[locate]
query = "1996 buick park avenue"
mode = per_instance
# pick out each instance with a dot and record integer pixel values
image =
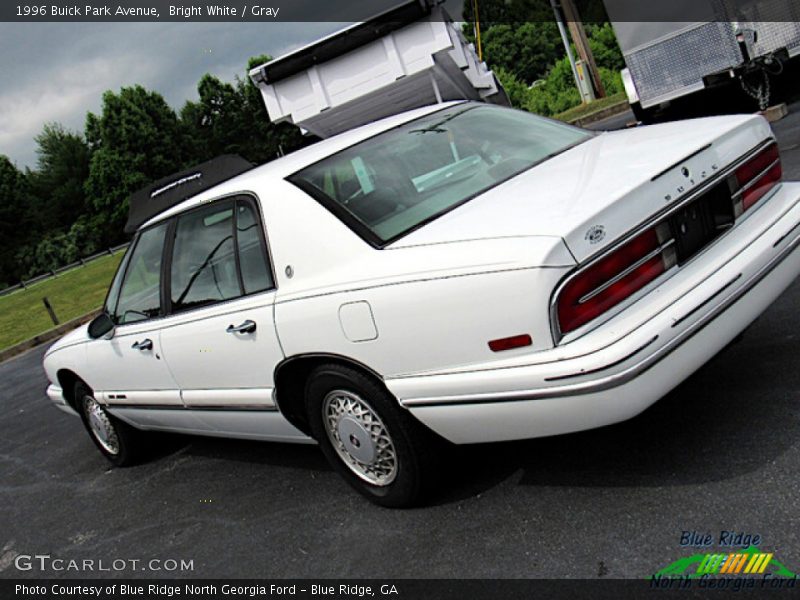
(459, 273)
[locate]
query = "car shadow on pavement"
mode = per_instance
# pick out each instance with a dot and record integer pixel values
(736, 415)
(722, 422)
(301, 456)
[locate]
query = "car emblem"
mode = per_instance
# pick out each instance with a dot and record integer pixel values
(596, 234)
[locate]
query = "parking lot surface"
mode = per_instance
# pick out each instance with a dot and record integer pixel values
(721, 452)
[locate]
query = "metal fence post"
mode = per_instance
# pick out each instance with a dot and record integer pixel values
(50, 310)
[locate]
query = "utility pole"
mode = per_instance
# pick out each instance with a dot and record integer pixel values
(565, 39)
(582, 45)
(477, 29)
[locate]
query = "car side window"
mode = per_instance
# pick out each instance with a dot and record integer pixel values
(140, 293)
(218, 254)
(203, 268)
(256, 275)
(112, 297)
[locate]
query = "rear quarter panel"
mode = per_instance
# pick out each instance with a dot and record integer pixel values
(433, 306)
(427, 324)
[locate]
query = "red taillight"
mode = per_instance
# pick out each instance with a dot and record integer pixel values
(612, 279)
(615, 277)
(758, 176)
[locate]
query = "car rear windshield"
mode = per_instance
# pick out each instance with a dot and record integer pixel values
(391, 184)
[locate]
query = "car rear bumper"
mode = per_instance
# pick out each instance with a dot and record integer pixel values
(56, 395)
(616, 371)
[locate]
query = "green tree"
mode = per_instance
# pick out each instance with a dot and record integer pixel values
(517, 12)
(231, 119)
(517, 91)
(57, 183)
(215, 122)
(525, 49)
(521, 53)
(76, 200)
(14, 220)
(495, 12)
(604, 45)
(135, 140)
(557, 93)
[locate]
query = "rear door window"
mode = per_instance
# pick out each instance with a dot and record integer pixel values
(203, 267)
(218, 254)
(256, 275)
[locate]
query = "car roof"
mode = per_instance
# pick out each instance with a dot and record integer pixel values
(281, 168)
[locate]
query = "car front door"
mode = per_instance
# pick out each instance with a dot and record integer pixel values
(129, 369)
(219, 340)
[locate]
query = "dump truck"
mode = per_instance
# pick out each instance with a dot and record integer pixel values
(407, 57)
(731, 43)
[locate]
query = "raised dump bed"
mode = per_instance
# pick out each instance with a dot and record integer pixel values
(408, 57)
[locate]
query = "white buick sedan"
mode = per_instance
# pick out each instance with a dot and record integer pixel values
(461, 272)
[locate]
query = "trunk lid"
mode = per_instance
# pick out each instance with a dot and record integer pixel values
(598, 191)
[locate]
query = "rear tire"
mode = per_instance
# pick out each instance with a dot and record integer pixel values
(378, 447)
(120, 443)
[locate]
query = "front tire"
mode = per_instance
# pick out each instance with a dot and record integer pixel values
(374, 444)
(120, 443)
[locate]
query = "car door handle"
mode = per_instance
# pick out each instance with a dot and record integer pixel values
(246, 327)
(145, 344)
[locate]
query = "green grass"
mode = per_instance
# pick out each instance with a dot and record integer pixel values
(584, 110)
(71, 294)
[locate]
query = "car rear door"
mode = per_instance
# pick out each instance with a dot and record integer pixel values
(219, 340)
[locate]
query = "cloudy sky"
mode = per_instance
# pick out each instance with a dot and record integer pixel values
(58, 71)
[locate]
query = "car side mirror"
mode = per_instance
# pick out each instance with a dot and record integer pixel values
(102, 326)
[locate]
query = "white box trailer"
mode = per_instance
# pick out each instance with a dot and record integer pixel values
(408, 57)
(666, 61)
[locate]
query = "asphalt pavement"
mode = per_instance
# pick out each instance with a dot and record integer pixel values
(720, 452)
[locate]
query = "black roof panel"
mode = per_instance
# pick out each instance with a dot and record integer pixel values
(165, 193)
